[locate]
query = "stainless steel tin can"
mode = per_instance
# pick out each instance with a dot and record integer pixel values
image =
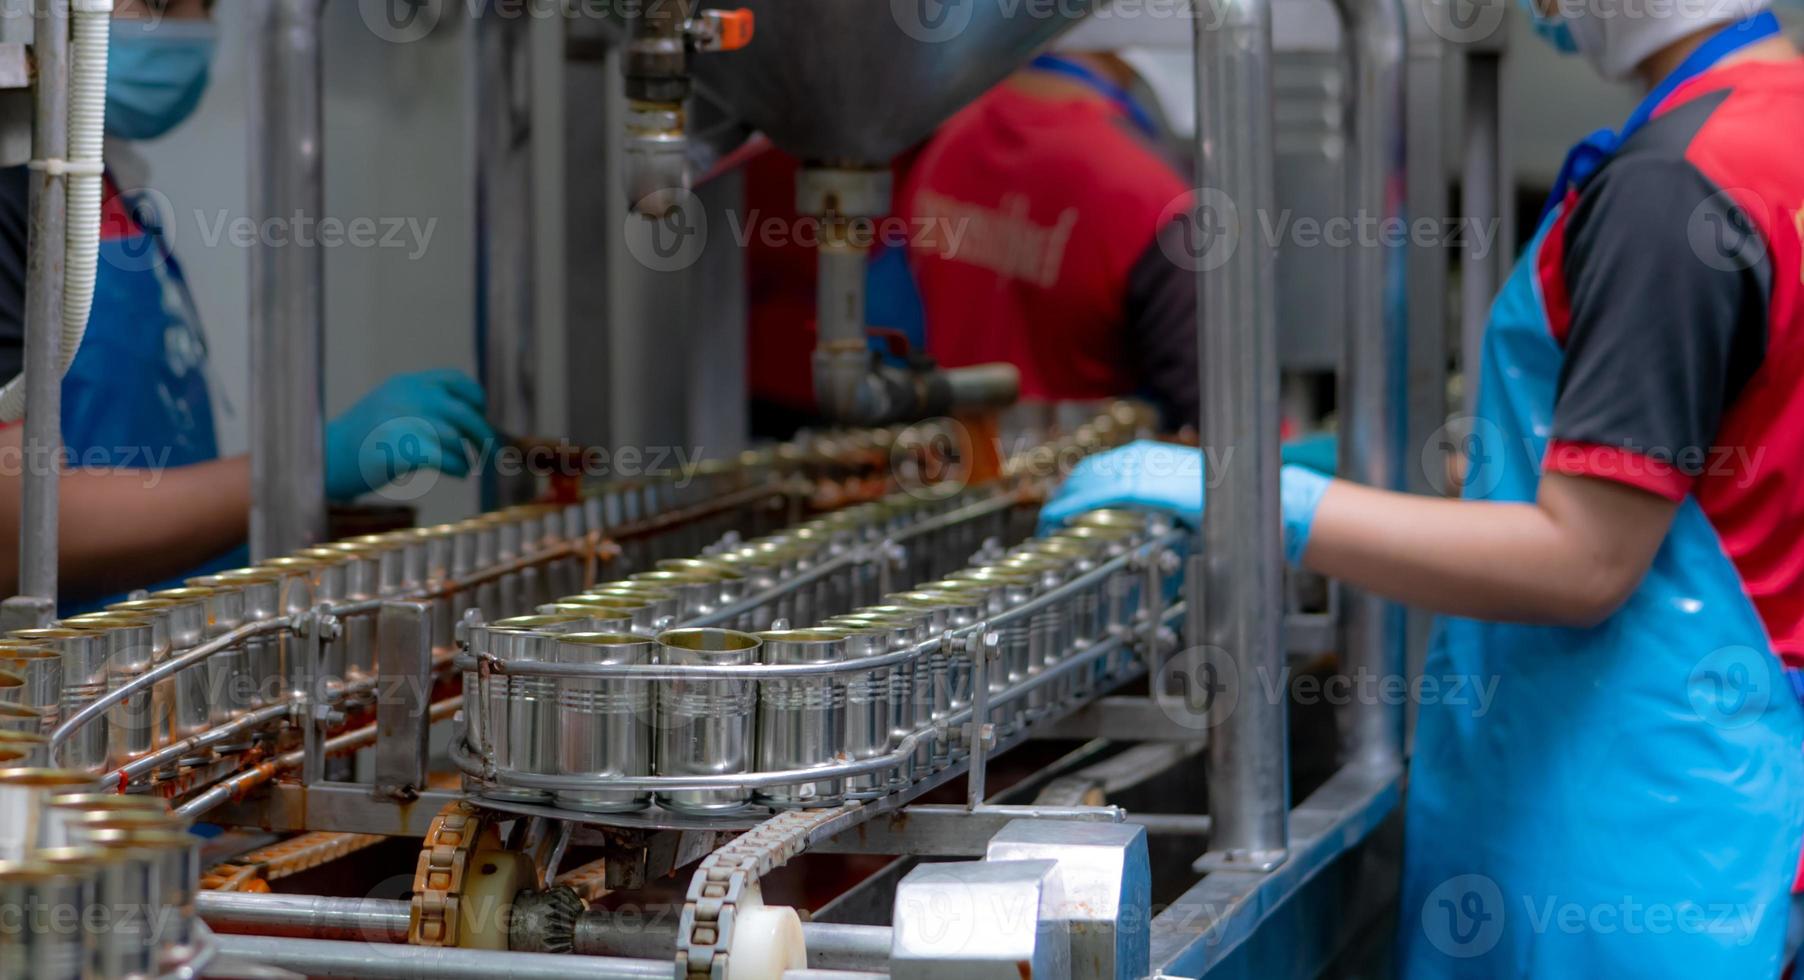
(705, 727)
(696, 593)
(261, 675)
(363, 581)
(223, 686)
(605, 724)
(174, 858)
(42, 936)
(297, 596)
(917, 690)
(125, 890)
(133, 725)
(602, 619)
(642, 616)
(1014, 587)
(330, 582)
(84, 680)
(41, 667)
(802, 720)
(1049, 632)
(902, 703)
(68, 808)
(520, 713)
(666, 603)
(24, 797)
(730, 583)
(867, 727)
(16, 717)
(20, 750)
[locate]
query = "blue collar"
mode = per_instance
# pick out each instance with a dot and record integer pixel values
(1584, 159)
(1109, 90)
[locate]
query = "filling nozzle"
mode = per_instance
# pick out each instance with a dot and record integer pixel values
(656, 166)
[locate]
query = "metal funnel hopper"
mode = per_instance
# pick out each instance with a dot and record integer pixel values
(856, 82)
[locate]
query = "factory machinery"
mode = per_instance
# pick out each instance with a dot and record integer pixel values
(834, 709)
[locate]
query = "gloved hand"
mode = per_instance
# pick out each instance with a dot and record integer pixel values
(410, 422)
(1300, 491)
(1140, 474)
(1318, 451)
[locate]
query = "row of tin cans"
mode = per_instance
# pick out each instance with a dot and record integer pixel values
(622, 727)
(95, 886)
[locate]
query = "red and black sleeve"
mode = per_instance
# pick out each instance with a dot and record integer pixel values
(1668, 285)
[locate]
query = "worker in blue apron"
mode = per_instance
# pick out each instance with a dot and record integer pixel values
(1625, 567)
(148, 500)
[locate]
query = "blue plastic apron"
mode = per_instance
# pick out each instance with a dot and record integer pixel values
(1630, 801)
(136, 396)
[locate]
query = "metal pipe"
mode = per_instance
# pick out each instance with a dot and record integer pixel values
(44, 305)
(1487, 202)
(238, 784)
(1236, 578)
(287, 281)
(167, 668)
(331, 958)
(177, 751)
(305, 916)
(831, 945)
(1375, 355)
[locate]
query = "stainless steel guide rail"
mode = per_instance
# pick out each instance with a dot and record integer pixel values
(489, 667)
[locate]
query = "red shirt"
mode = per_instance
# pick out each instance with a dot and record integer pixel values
(1026, 215)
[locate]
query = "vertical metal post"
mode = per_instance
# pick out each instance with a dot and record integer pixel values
(403, 697)
(1236, 579)
(44, 318)
(501, 103)
(1429, 263)
(1487, 200)
(287, 281)
(1375, 359)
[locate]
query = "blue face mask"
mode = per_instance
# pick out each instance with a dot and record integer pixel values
(1555, 30)
(155, 75)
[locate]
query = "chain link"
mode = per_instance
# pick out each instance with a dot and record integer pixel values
(302, 852)
(438, 880)
(705, 932)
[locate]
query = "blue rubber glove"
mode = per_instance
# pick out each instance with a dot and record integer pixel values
(1300, 490)
(1318, 451)
(1140, 474)
(411, 422)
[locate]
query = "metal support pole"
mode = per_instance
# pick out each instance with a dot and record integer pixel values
(329, 958)
(1236, 581)
(1374, 365)
(403, 697)
(1488, 200)
(1429, 265)
(44, 322)
(287, 281)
